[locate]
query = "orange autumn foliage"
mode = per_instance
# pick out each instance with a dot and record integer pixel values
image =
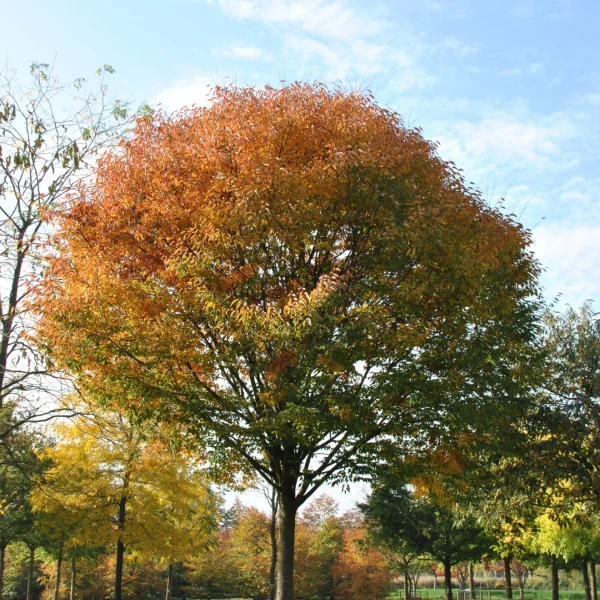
(360, 571)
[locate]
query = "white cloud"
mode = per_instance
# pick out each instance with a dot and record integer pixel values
(457, 47)
(244, 52)
(536, 67)
(186, 92)
(341, 41)
(571, 255)
(511, 72)
(326, 18)
(502, 140)
(522, 10)
(360, 56)
(592, 99)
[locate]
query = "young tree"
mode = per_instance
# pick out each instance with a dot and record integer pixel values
(299, 280)
(360, 571)
(18, 465)
(406, 523)
(320, 535)
(572, 342)
(270, 494)
(14, 488)
(50, 133)
(117, 486)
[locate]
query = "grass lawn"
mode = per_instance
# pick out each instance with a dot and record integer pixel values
(431, 594)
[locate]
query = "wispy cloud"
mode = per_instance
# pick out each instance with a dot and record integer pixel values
(195, 90)
(455, 46)
(516, 72)
(502, 140)
(572, 256)
(244, 52)
(326, 18)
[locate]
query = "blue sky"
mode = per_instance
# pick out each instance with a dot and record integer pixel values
(510, 88)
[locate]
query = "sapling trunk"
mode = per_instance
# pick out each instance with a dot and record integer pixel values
(120, 550)
(273, 534)
(73, 576)
(586, 579)
(507, 577)
(554, 574)
(472, 581)
(58, 572)
(593, 579)
(29, 595)
(169, 582)
(2, 563)
(448, 579)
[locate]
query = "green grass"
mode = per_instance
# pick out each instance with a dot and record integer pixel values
(431, 594)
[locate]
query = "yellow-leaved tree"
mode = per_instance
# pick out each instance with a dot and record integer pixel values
(126, 488)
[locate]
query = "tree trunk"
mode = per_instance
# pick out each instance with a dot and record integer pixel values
(30, 573)
(448, 579)
(472, 580)
(507, 577)
(120, 550)
(169, 582)
(285, 548)
(58, 572)
(406, 585)
(522, 591)
(2, 562)
(554, 573)
(73, 575)
(435, 580)
(586, 579)
(593, 578)
(273, 534)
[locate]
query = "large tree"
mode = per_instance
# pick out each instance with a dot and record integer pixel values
(297, 279)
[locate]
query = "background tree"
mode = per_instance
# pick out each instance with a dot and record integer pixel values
(320, 539)
(405, 522)
(50, 133)
(572, 384)
(119, 487)
(18, 466)
(360, 571)
(299, 279)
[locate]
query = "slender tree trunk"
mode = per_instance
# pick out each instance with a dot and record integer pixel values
(472, 580)
(435, 580)
(2, 562)
(554, 573)
(273, 534)
(30, 573)
(120, 550)
(285, 549)
(586, 579)
(58, 572)
(73, 576)
(169, 582)
(522, 591)
(593, 579)
(448, 579)
(507, 577)
(406, 585)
